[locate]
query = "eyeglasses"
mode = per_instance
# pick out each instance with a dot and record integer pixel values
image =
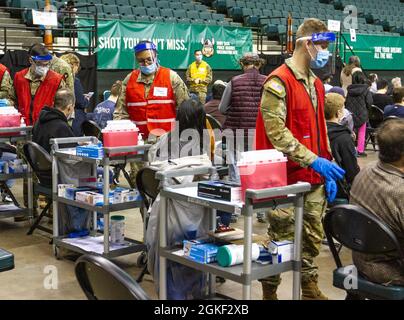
(145, 61)
(41, 63)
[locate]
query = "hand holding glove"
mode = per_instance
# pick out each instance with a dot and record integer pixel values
(327, 169)
(331, 189)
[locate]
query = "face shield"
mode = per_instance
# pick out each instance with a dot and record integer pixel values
(146, 57)
(320, 48)
(41, 64)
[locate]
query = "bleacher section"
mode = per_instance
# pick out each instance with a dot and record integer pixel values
(267, 15)
(271, 15)
(179, 11)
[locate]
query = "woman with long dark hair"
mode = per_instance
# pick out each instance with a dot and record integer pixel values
(358, 101)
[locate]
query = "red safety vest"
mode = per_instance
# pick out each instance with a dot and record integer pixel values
(44, 95)
(306, 125)
(3, 70)
(156, 112)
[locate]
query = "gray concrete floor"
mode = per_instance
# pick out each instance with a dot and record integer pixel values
(34, 257)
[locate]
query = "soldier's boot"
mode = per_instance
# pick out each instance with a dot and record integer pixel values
(269, 291)
(310, 291)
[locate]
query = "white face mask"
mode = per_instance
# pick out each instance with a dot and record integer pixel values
(199, 57)
(41, 70)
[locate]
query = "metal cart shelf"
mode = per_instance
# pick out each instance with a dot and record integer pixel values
(13, 135)
(272, 198)
(137, 153)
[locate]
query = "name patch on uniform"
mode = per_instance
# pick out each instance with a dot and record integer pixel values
(275, 86)
(160, 92)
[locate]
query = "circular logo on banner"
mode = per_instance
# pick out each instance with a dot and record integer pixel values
(208, 47)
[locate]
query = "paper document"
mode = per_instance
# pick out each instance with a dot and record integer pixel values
(93, 244)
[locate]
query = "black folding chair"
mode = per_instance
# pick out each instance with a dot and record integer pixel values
(41, 163)
(91, 129)
(148, 187)
(391, 118)
(100, 279)
(213, 122)
(361, 231)
(5, 190)
(376, 117)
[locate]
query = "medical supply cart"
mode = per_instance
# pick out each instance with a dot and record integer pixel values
(131, 154)
(255, 200)
(13, 135)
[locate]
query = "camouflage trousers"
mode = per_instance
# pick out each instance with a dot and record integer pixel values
(201, 95)
(281, 227)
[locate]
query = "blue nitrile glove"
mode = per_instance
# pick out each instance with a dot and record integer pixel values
(327, 169)
(3, 102)
(79, 234)
(331, 190)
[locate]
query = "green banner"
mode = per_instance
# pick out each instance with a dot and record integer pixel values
(376, 52)
(176, 43)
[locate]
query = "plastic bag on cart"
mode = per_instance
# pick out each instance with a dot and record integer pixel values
(73, 219)
(184, 221)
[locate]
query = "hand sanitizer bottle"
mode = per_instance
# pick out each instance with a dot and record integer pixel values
(140, 142)
(22, 125)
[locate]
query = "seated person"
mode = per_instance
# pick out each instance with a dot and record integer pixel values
(342, 145)
(52, 122)
(380, 98)
(379, 189)
(212, 107)
(190, 116)
(347, 119)
(191, 137)
(104, 111)
(396, 110)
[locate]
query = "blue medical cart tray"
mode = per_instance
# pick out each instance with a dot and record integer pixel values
(6, 260)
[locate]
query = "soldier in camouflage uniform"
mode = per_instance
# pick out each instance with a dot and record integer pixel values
(285, 121)
(7, 88)
(34, 82)
(121, 111)
(63, 68)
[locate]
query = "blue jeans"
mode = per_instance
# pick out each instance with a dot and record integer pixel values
(8, 156)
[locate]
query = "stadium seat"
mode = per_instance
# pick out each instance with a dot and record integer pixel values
(188, 6)
(180, 14)
(139, 11)
(136, 3)
(110, 9)
(200, 7)
(149, 3)
(122, 2)
(207, 16)
(193, 14)
(218, 16)
(125, 10)
(163, 4)
(153, 13)
(167, 13)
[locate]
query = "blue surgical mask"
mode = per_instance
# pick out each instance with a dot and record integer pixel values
(199, 58)
(320, 60)
(149, 69)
